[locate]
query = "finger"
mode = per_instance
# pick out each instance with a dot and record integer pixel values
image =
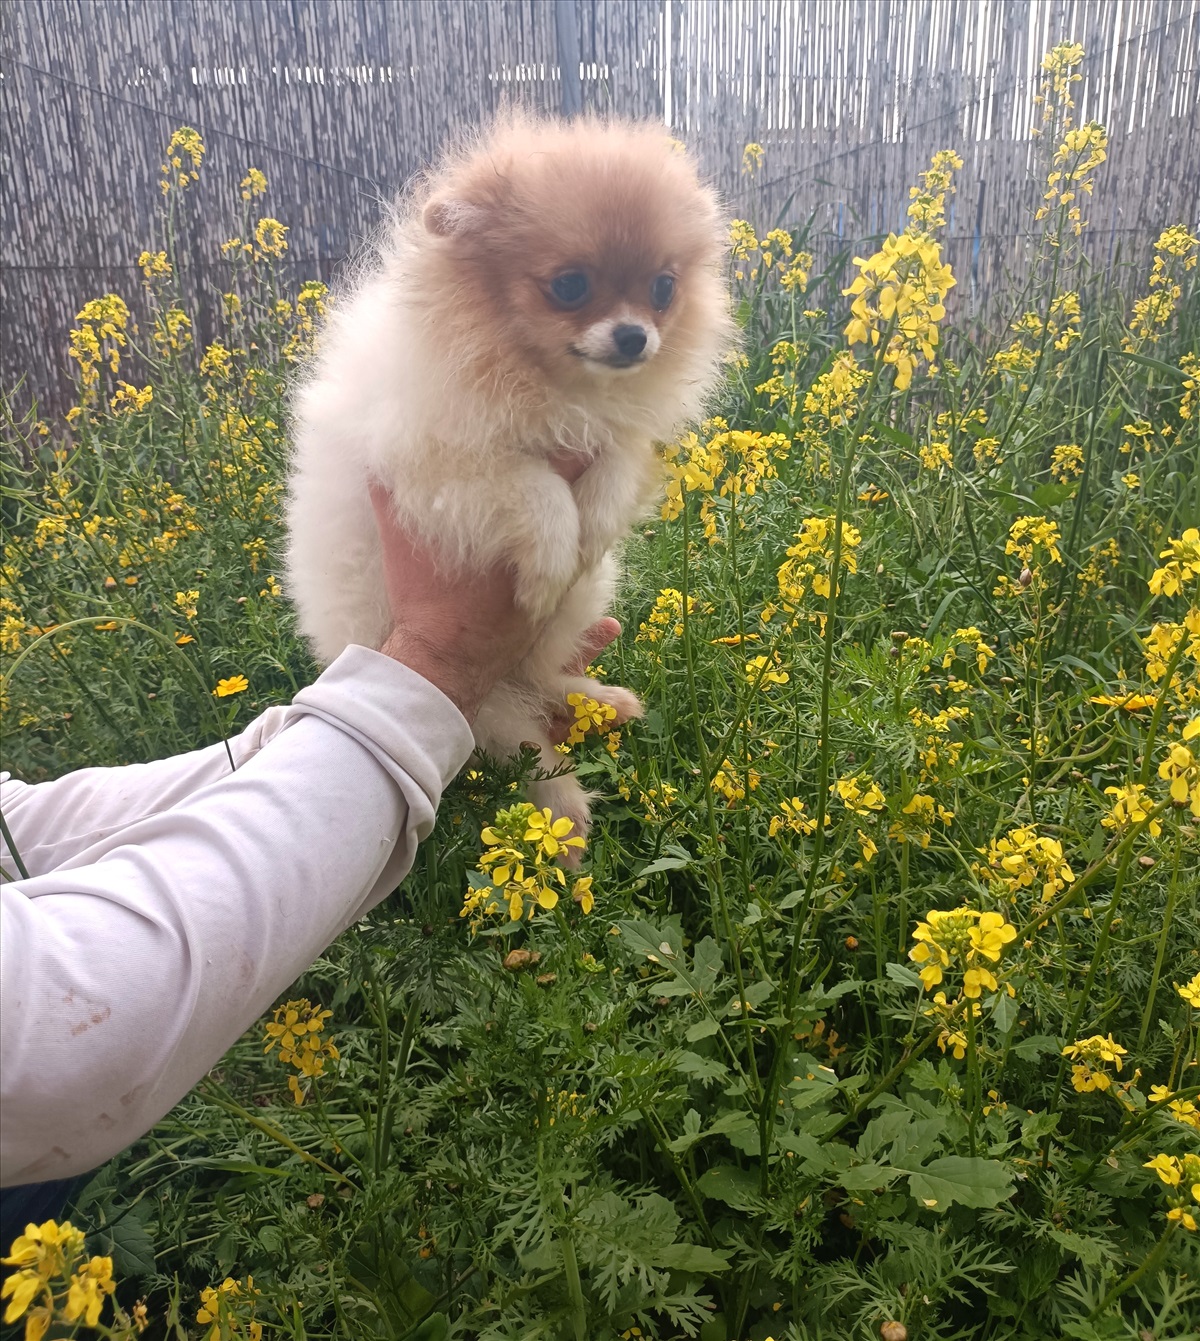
(381, 503)
(595, 640)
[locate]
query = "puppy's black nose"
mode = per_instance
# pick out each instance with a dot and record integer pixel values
(629, 340)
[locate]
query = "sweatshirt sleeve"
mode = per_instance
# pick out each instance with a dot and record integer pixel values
(131, 966)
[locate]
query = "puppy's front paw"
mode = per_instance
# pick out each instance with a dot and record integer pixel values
(544, 573)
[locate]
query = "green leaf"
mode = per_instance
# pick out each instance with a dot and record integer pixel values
(690, 1257)
(691, 1132)
(703, 1068)
(1157, 364)
(1005, 1012)
(1037, 1125)
(735, 1187)
(902, 974)
(679, 860)
(963, 1179)
(1051, 495)
(867, 1177)
(131, 1247)
(704, 1028)
(1037, 1045)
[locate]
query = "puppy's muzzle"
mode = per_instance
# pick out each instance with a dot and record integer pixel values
(617, 344)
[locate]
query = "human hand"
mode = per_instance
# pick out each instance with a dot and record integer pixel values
(461, 630)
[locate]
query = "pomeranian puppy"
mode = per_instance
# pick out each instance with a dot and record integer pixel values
(547, 287)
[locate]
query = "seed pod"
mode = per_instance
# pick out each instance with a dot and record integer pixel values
(1026, 577)
(516, 960)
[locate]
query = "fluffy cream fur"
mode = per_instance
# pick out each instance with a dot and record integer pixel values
(454, 370)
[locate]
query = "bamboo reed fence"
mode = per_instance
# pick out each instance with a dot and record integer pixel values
(338, 102)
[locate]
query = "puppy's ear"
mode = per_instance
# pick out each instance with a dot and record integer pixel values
(451, 218)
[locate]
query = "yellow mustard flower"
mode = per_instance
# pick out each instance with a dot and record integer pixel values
(1182, 566)
(1090, 1056)
(1181, 770)
(254, 183)
(965, 940)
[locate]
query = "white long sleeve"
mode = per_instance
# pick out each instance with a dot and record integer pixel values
(169, 904)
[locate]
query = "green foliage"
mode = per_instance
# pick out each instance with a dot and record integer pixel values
(741, 1098)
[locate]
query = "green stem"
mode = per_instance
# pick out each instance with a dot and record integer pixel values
(1153, 1258)
(211, 1093)
(1168, 915)
(574, 1286)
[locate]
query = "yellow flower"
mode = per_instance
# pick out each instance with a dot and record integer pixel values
(990, 935)
(230, 1308)
(154, 264)
(1183, 564)
(860, 794)
(591, 717)
(1089, 1056)
(297, 1029)
(522, 845)
(129, 398)
(235, 684)
(914, 824)
(89, 1287)
(1126, 702)
(581, 893)
(1182, 770)
(833, 397)
(1182, 1110)
(178, 175)
(935, 454)
(269, 234)
(1023, 858)
(254, 183)
(1130, 806)
(752, 158)
(548, 835)
(666, 614)
(1028, 533)
(733, 782)
(900, 289)
(976, 642)
(960, 938)
(1190, 991)
(763, 672)
(1066, 462)
(794, 817)
(1169, 1169)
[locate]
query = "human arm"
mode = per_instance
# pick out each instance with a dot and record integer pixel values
(131, 968)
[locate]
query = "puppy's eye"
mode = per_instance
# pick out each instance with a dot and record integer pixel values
(570, 289)
(662, 291)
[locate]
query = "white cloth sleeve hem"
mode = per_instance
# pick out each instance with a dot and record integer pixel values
(132, 964)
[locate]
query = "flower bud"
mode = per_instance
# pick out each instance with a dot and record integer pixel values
(893, 1331)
